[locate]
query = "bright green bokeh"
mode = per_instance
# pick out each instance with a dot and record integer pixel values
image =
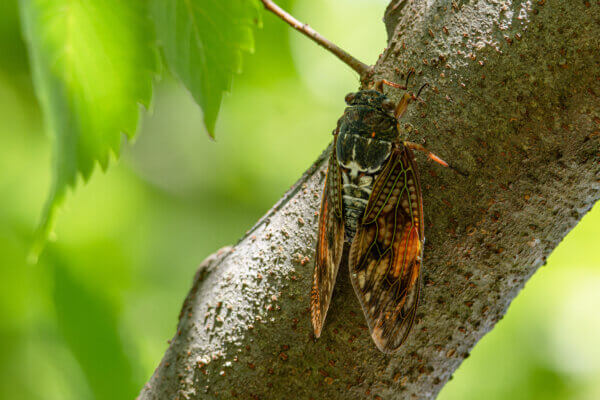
(104, 298)
(203, 42)
(92, 67)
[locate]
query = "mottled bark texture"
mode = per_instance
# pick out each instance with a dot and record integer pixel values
(514, 101)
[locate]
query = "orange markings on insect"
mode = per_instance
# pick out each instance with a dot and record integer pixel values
(410, 248)
(400, 264)
(323, 249)
(438, 160)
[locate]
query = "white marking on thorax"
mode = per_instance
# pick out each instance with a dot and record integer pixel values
(355, 168)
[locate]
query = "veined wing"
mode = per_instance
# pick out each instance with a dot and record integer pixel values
(385, 256)
(330, 245)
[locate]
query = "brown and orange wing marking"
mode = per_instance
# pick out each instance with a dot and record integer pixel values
(385, 256)
(330, 244)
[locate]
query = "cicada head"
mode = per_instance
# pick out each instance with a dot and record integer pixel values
(370, 115)
(373, 99)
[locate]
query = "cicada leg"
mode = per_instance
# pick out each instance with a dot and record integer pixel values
(430, 155)
(379, 85)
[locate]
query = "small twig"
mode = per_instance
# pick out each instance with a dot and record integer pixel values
(352, 62)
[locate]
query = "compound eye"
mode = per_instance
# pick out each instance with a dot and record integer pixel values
(349, 97)
(388, 105)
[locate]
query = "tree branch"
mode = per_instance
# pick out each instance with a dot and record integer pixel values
(361, 68)
(515, 102)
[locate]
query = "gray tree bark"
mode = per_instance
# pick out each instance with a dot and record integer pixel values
(514, 101)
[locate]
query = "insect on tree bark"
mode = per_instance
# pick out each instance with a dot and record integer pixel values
(514, 101)
(372, 209)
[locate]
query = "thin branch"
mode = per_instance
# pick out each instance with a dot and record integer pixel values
(352, 62)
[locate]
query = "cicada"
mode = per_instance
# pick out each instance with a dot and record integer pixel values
(372, 211)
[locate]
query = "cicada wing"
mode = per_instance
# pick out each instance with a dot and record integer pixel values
(330, 245)
(385, 255)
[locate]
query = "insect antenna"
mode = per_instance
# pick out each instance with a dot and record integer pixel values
(360, 67)
(410, 73)
(422, 87)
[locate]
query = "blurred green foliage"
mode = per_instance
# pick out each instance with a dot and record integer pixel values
(203, 43)
(91, 320)
(92, 66)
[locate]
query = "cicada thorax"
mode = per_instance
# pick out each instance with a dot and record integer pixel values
(366, 135)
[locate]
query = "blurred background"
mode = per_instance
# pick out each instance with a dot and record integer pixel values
(91, 320)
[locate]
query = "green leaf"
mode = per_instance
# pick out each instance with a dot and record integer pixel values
(93, 63)
(203, 42)
(10, 40)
